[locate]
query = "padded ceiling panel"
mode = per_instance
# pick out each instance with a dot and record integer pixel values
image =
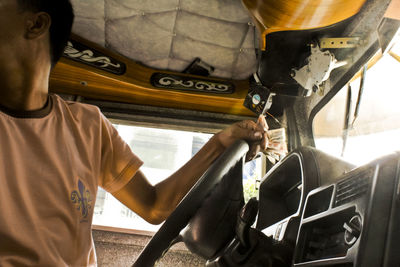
(170, 34)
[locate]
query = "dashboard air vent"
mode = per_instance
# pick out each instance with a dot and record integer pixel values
(353, 187)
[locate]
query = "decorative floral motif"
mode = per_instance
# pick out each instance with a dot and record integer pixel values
(187, 83)
(212, 86)
(82, 199)
(88, 55)
(81, 53)
(171, 81)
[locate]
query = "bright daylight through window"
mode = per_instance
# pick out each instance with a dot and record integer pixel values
(163, 152)
(376, 130)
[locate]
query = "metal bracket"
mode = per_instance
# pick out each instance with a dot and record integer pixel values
(317, 69)
(341, 42)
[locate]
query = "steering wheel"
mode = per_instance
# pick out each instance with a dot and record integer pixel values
(180, 217)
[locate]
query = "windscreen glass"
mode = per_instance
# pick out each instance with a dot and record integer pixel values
(374, 130)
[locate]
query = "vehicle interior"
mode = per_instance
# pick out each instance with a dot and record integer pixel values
(326, 191)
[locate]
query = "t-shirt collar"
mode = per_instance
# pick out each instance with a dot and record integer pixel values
(39, 113)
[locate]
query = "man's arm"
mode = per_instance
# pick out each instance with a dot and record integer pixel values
(155, 203)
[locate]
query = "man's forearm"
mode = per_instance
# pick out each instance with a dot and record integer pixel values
(170, 191)
(155, 203)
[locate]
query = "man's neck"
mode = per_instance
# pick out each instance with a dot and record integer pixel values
(25, 92)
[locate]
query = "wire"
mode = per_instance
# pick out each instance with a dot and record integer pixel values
(275, 119)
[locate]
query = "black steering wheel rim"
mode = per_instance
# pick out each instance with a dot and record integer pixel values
(180, 217)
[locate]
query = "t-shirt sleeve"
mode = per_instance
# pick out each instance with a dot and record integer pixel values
(118, 163)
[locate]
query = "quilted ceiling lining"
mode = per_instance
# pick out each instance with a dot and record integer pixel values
(170, 34)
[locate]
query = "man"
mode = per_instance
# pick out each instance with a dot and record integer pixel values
(54, 154)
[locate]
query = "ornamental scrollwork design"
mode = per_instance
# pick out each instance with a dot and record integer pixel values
(88, 56)
(171, 81)
(81, 53)
(185, 83)
(212, 86)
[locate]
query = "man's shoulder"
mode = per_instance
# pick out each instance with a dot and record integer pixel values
(76, 108)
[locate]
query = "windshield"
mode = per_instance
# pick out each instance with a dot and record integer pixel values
(376, 130)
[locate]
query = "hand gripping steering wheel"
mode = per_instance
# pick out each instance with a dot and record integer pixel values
(180, 217)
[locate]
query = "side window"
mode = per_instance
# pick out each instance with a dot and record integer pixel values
(163, 151)
(252, 175)
(375, 131)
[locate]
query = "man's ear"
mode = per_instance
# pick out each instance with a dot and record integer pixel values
(37, 25)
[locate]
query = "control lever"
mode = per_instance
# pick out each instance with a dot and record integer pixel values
(245, 220)
(352, 230)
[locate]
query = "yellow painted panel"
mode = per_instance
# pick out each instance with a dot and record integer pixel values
(70, 77)
(282, 15)
(74, 78)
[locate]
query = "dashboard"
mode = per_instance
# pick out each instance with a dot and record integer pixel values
(314, 210)
(332, 213)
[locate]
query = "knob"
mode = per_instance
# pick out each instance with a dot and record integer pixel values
(352, 230)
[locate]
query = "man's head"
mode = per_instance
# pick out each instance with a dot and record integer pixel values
(62, 16)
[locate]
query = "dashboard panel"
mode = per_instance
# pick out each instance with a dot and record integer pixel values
(284, 188)
(354, 221)
(333, 213)
(315, 210)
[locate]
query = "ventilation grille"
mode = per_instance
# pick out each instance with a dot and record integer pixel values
(353, 187)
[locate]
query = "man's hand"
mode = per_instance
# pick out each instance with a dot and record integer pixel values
(255, 133)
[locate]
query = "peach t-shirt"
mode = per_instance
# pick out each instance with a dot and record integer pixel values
(51, 163)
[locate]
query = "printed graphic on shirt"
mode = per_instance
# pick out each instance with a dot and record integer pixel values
(82, 199)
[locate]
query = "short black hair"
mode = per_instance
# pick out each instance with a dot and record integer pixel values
(62, 17)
